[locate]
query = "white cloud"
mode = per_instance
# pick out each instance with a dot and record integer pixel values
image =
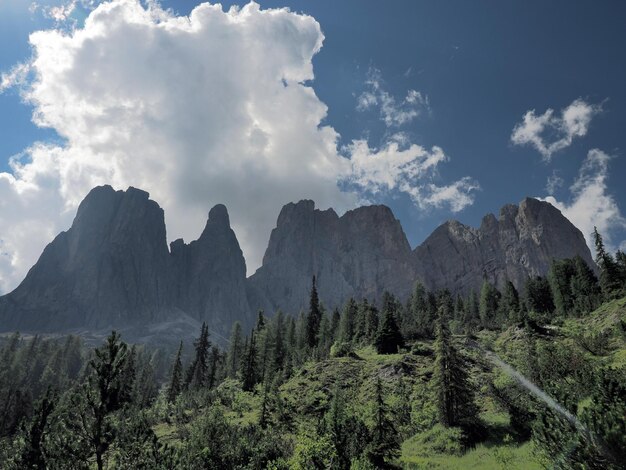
(549, 133)
(392, 112)
(554, 182)
(408, 168)
(210, 108)
(591, 204)
(17, 76)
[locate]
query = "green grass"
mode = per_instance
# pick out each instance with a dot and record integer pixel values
(503, 456)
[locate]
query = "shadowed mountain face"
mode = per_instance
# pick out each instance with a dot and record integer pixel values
(113, 269)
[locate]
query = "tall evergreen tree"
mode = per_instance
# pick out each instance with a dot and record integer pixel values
(106, 392)
(199, 369)
(234, 350)
(610, 279)
(585, 288)
(538, 295)
(248, 373)
(455, 395)
(384, 441)
(348, 320)
(176, 381)
(489, 302)
(509, 304)
(389, 339)
(560, 279)
(314, 317)
(33, 456)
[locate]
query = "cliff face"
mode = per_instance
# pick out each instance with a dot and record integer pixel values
(210, 275)
(357, 255)
(109, 268)
(519, 244)
(112, 268)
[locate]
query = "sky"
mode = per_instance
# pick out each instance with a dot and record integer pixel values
(440, 110)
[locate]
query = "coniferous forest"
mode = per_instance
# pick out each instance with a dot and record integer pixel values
(500, 378)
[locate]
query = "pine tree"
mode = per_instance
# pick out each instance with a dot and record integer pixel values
(509, 304)
(234, 350)
(560, 279)
(198, 371)
(214, 359)
(348, 321)
(585, 288)
(538, 295)
(420, 311)
(314, 317)
(455, 395)
(33, 455)
(280, 341)
(384, 442)
(260, 321)
(471, 320)
(335, 323)
(106, 392)
(489, 302)
(610, 281)
(248, 373)
(389, 339)
(176, 382)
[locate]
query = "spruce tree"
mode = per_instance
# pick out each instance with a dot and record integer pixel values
(348, 321)
(560, 279)
(280, 341)
(248, 373)
(384, 441)
(389, 339)
(33, 455)
(489, 303)
(610, 279)
(538, 295)
(314, 317)
(234, 350)
(509, 304)
(585, 288)
(106, 393)
(455, 395)
(198, 371)
(176, 382)
(335, 323)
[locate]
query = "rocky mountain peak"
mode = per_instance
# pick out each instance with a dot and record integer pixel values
(219, 215)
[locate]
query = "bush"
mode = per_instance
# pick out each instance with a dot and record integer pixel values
(440, 440)
(341, 349)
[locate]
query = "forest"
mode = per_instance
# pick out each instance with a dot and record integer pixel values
(495, 379)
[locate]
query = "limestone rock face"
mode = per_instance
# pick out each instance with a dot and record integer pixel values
(210, 275)
(109, 268)
(113, 269)
(519, 244)
(357, 255)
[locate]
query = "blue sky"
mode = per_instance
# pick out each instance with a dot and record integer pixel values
(478, 67)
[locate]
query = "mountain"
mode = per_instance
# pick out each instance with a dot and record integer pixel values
(359, 254)
(113, 268)
(520, 243)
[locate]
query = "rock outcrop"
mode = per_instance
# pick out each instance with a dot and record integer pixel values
(109, 268)
(210, 275)
(359, 254)
(521, 243)
(113, 269)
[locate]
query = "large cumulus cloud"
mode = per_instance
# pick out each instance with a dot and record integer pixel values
(201, 109)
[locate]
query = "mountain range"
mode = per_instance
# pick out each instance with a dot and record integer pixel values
(114, 269)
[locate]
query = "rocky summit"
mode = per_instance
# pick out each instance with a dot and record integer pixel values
(113, 268)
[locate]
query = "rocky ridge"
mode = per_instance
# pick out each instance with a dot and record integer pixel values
(113, 268)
